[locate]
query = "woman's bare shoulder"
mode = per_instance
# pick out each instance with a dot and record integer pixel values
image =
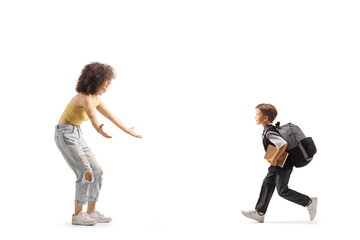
(99, 101)
(84, 99)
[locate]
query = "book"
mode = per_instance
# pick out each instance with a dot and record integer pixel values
(271, 152)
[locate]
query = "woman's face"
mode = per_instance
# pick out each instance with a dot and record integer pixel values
(105, 86)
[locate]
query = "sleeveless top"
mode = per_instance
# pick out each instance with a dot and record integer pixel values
(74, 115)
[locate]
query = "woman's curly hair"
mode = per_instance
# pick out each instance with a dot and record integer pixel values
(93, 77)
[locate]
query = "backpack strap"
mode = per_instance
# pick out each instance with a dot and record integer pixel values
(277, 125)
(270, 128)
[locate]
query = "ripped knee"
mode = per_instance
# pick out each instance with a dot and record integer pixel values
(88, 175)
(102, 172)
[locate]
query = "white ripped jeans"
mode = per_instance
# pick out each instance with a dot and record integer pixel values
(69, 140)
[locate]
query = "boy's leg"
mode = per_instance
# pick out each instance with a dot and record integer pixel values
(282, 180)
(267, 190)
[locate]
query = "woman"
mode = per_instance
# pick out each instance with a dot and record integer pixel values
(94, 80)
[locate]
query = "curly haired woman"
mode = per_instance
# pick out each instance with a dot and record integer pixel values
(94, 80)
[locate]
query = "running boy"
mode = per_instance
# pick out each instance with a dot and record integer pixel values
(277, 177)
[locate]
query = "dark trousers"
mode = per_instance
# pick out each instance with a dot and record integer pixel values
(279, 180)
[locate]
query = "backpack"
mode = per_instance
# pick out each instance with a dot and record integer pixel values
(301, 149)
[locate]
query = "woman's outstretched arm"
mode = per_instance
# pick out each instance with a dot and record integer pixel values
(109, 115)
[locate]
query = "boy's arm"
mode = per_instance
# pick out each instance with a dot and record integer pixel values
(278, 153)
(280, 144)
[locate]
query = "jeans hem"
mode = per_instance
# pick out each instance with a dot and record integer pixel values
(90, 199)
(82, 203)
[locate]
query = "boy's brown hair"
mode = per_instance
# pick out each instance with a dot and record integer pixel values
(268, 110)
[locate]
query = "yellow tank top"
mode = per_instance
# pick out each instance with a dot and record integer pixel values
(74, 115)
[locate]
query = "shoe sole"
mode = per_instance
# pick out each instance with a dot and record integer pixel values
(248, 216)
(84, 224)
(316, 203)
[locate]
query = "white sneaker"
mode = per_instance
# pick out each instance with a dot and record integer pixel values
(312, 207)
(83, 219)
(99, 217)
(253, 214)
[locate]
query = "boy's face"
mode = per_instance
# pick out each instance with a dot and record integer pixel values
(260, 118)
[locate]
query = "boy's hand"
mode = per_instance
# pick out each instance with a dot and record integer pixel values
(272, 161)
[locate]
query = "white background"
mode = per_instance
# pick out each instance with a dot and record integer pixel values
(189, 75)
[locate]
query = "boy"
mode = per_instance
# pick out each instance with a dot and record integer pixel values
(276, 177)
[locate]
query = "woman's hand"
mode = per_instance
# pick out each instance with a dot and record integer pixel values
(101, 131)
(131, 132)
